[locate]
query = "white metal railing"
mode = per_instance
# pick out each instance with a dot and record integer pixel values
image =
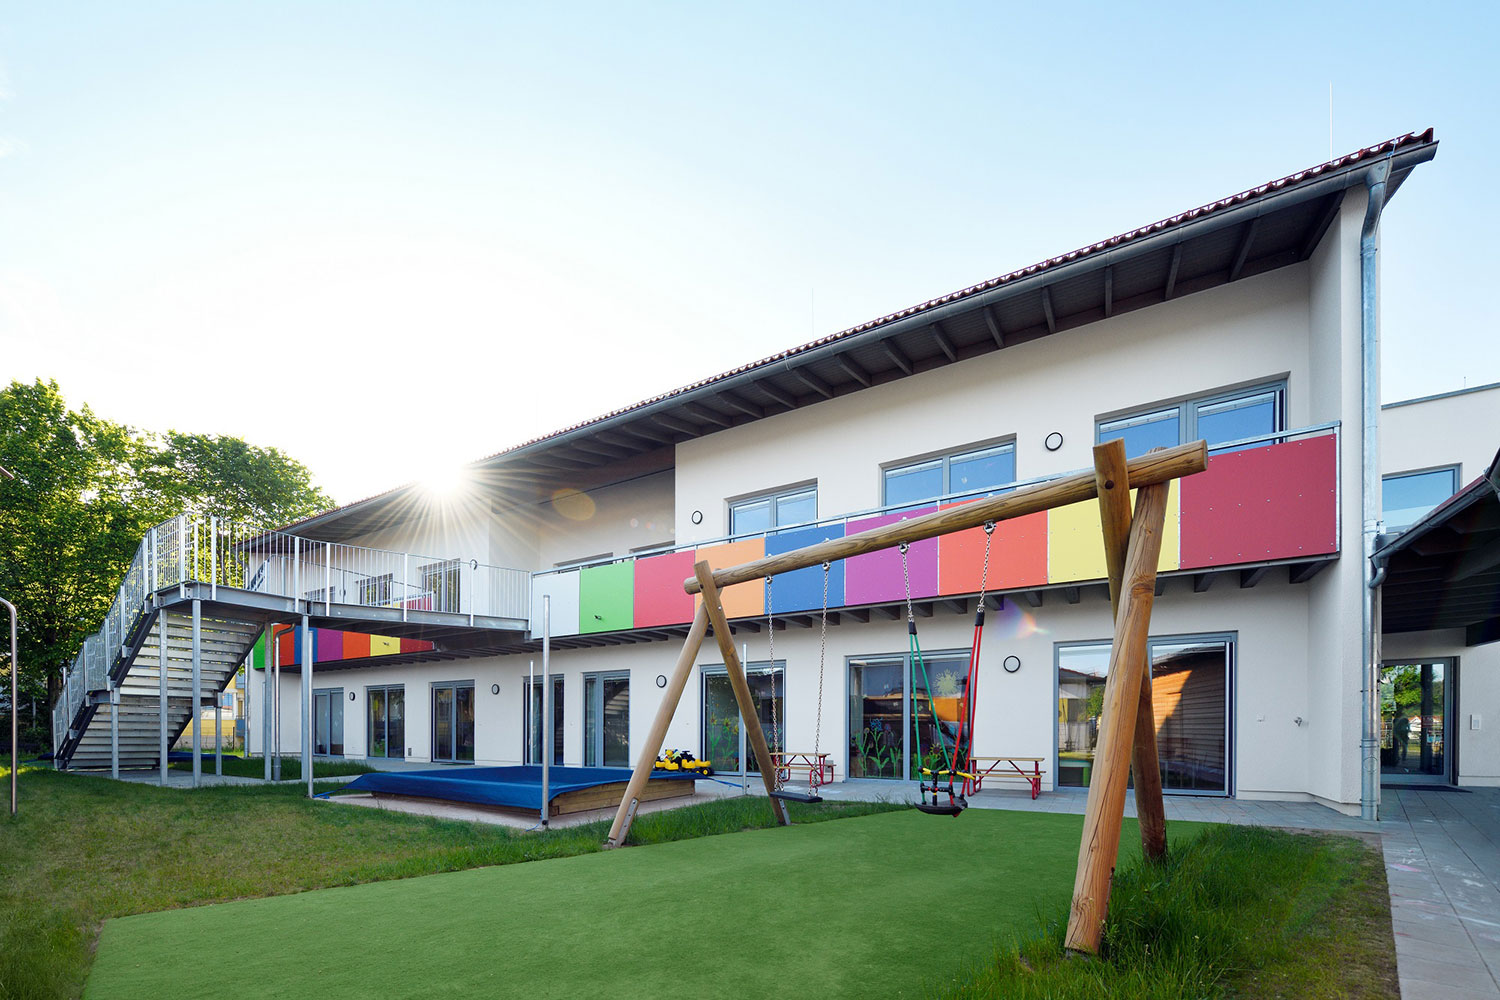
(203, 549)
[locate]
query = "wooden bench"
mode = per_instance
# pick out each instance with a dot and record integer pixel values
(817, 767)
(1027, 769)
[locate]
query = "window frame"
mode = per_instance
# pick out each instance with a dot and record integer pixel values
(776, 668)
(1187, 409)
(947, 458)
(593, 691)
(1455, 470)
(774, 497)
(908, 690)
(386, 690)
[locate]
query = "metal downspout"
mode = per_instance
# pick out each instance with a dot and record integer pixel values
(1369, 742)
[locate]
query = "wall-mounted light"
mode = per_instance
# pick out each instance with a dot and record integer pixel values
(1053, 441)
(351, 695)
(1011, 663)
(697, 517)
(661, 680)
(494, 689)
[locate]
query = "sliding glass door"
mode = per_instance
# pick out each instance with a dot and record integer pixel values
(896, 725)
(328, 722)
(531, 724)
(1414, 710)
(606, 720)
(723, 739)
(385, 728)
(453, 722)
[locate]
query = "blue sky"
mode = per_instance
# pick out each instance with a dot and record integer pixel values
(390, 237)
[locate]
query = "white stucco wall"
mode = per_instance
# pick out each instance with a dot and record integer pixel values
(1461, 429)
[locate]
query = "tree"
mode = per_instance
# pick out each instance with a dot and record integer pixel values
(86, 491)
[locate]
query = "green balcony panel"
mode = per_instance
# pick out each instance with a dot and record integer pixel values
(606, 596)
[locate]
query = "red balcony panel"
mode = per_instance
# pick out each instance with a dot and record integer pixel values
(1018, 555)
(415, 645)
(659, 597)
(1277, 502)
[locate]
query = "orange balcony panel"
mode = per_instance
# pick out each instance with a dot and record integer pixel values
(743, 600)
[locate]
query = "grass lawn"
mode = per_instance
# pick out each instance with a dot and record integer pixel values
(87, 848)
(291, 767)
(883, 906)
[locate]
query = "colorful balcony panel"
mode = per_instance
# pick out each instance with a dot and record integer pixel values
(1075, 547)
(743, 600)
(802, 590)
(606, 597)
(1018, 556)
(1276, 502)
(659, 597)
(331, 645)
(876, 576)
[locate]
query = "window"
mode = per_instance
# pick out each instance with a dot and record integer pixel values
(606, 720)
(531, 725)
(1190, 685)
(375, 591)
(963, 472)
(453, 722)
(776, 510)
(1218, 419)
(1410, 496)
(724, 743)
(328, 722)
(895, 726)
(440, 585)
(385, 729)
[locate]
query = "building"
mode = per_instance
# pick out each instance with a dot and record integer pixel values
(1242, 322)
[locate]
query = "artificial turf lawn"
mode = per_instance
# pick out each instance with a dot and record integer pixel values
(898, 904)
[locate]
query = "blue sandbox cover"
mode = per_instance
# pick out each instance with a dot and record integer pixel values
(514, 787)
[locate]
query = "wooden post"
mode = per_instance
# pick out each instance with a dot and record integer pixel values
(620, 828)
(1113, 480)
(732, 666)
(1099, 847)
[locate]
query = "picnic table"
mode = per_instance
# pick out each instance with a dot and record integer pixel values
(1027, 769)
(817, 767)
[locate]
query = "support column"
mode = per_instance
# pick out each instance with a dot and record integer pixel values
(265, 700)
(197, 691)
(1099, 847)
(307, 705)
(625, 815)
(114, 730)
(161, 667)
(741, 686)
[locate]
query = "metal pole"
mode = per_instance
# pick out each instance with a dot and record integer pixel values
(307, 705)
(276, 715)
(546, 737)
(114, 729)
(213, 573)
(530, 690)
(15, 710)
(197, 690)
(328, 579)
(265, 700)
(218, 738)
(161, 684)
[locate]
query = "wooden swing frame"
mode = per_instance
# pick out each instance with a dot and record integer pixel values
(1132, 547)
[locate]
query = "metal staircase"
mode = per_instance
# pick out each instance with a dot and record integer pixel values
(137, 696)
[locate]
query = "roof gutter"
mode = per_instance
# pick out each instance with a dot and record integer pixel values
(1369, 321)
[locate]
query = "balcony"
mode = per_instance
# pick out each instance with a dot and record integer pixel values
(1261, 502)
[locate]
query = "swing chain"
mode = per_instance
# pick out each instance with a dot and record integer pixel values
(984, 575)
(822, 651)
(775, 725)
(906, 579)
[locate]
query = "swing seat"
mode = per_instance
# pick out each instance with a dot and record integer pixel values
(790, 796)
(941, 809)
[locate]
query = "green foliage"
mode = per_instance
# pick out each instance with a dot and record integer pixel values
(85, 492)
(1239, 911)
